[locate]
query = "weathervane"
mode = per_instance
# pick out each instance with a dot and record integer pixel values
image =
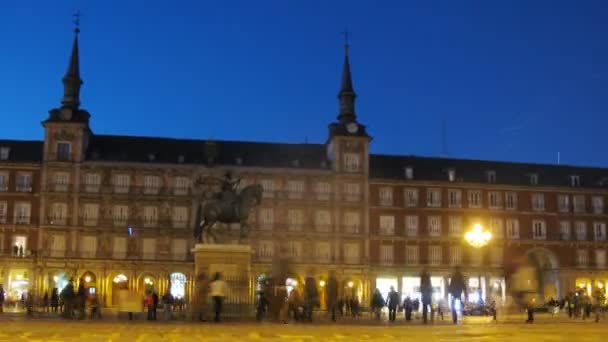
(76, 20)
(346, 45)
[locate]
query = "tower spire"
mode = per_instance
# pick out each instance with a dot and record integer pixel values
(71, 79)
(347, 95)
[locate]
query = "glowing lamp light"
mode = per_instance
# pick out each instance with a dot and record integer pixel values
(478, 237)
(87, 279)
(600, 285)
(147, 281)
(582, 286)
(55, 278)
(322, 283)
(350, 284)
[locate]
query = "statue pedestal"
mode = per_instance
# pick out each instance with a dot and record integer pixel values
(233, 262)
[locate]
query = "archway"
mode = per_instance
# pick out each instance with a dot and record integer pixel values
(177, 285)
(118, 282)
(546, 267)
(90, 282)
(146, 283)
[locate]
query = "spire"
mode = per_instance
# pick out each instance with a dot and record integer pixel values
(347, 94)
(71, 80)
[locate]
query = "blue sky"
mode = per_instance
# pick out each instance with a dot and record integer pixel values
(513, 80)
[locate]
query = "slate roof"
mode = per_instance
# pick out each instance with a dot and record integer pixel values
(166, 150)
(23, 151)
(475, 171)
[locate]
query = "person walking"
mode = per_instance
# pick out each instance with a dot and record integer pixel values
(332, 295)
(426, 290)
(311, 297)
(55, 300)
(218, 289)
(45, 302)
(456, 289)
(377, 303)
(392, 301)
(1, 298)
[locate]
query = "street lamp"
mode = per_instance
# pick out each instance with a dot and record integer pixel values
(478, 238)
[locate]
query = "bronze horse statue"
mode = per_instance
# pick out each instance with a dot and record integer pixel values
(225, 211)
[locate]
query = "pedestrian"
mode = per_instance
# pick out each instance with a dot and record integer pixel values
(200, 299)
(392, 301)
(311, 297)
(45, 302)
(1, 298)
(55, 300)
(294, 304)
(218, 289)
(332, 295)
(456, 289)
(407, 307)
(81, 298)
(426, 290)
(377, 303)
(154, 304)
(149, 301)
(68, 296)
(95, 307)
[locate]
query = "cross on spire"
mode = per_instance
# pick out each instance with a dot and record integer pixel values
(345, 33)
(76, 20)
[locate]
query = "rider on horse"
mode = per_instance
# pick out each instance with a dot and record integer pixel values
(229, 186)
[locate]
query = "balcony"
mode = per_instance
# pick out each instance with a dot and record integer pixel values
(295, 195)
(59, 187)
(121, 189)
(91, 188)
(61, 157)
(25, 187)
(264, 256)
(266, 226)
(119, 221)
(179, 223)
(352, 260)
(295, 227)
(3, 187)
(323, 196)
(22, 220)
(351, 229)
(181, 191)
(268, 193)
(56, 220)
(352, 197)
(386, 231)
(323, 228)
(57, 253)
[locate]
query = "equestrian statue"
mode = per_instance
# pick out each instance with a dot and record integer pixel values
(228, 206)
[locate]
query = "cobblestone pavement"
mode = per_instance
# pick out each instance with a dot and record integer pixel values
(481, 329)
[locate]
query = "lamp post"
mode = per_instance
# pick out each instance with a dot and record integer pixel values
(478, 238)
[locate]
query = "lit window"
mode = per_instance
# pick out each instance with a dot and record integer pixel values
(409, 172)
(411, 197)
(533, 179)
(454, 198)
(433, 198)
(451, 175)
(474, 199)
(491, 176)
(4, 153)
(575, 180)
(539, 230)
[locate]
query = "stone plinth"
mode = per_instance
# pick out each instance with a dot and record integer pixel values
(230, 260)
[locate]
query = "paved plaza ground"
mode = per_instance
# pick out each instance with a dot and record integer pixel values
(18, 328)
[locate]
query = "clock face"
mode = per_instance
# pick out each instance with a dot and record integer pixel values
(352, 127)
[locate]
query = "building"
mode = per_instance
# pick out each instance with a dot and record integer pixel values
(120, 209)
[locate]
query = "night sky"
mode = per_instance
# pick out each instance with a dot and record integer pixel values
(510, 80)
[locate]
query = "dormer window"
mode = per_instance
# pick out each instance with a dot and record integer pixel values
(533, 179)
(296, 163)
(63, 151)
(181, 159)
(451, 175)
(239, 161)
(409, 172)
(491, 176)
(575, 180)
(151, 157)
(4, 153)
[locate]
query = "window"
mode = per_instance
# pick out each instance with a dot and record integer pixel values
(180, 217)
(295, 220)
(455, 226)
(322, 252)
(582, 257)
(600, 258)
(61, 181)
(575, 180)
(538, 202)
(434, 225)
(580, 230)
(92, 182)
(57, 246)
(88, 246)
(3, 211)
(387, 225)
(181, 185)
(295, 189)
(474, 199)
(578, 202)
(294, 249)
(59, 212)
(564, 230)
(3, 181)
(386, 254)
(119, 245)
(22, 212)
(411, 255)
(4, 153)
(495, 200)
(512, 228)
(491, 176)
(323, 190)
(24, 181)
(266, 249)
(351, 222)
(475, 256)
(90, 214)
(433, 198)
(411, 225)
(533, 179)
(178, 249)
(451, 175)
(351, 162)
(599, 230)
(496, 228)
(352, 192)
(120, 214)
(351, 253)
(122, 183)
(598, 204)
(149, 248)
(455, 255)
(151, 185)
(269, 188)
(409, 172)
(539, 230)
(435, 255)
(454, 198)
(323, 220)
(150, 216)
(266, 218)
(63, 151)
(496, 256)
(386, 196)
(563, 202)
(411, 197)
(511, 200)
